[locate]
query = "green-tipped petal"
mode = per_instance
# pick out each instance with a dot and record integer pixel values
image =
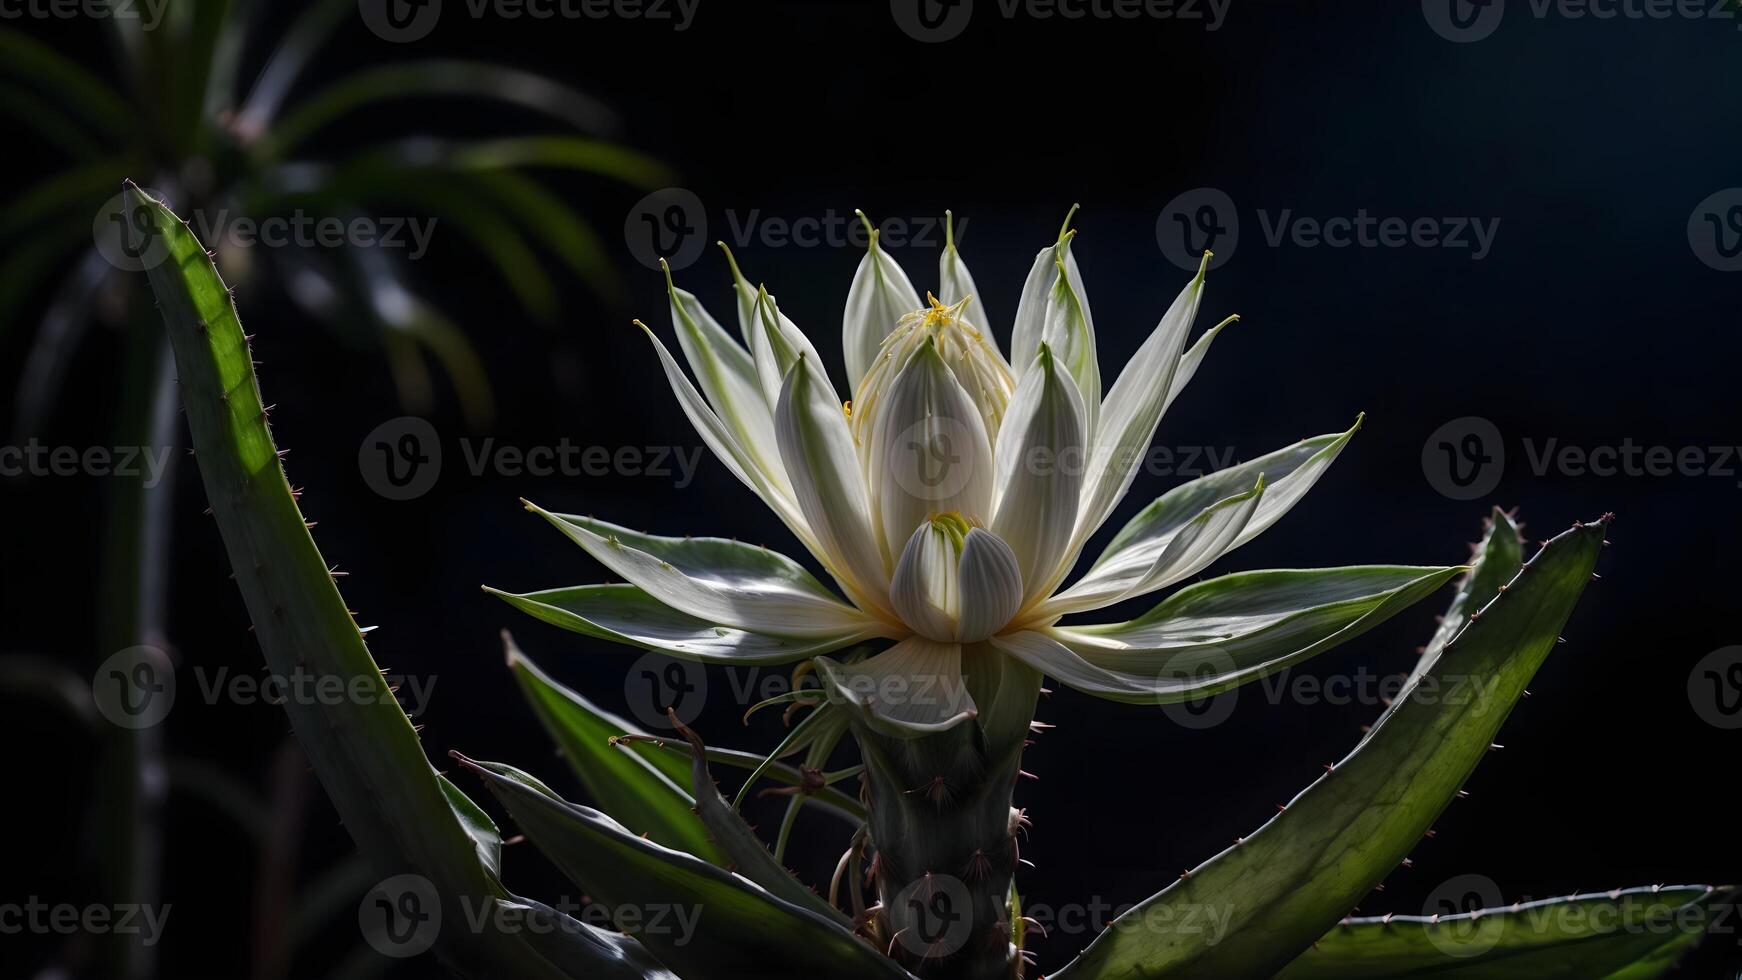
(881, 294)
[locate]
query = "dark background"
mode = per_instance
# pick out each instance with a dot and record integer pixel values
(1592, 321)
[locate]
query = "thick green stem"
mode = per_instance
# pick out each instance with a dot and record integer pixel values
(945, 832)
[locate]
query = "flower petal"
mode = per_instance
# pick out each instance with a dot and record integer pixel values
(929, 453)
(1040, 473)
(913, 688)
(881, 295)
(829, 485)
(719, 438)
(727, 376)
(720, 581)
(1219, 634)
(1288, 474)
(1070, 331)
(626, 614)
(1027, 332)
(991, 586)
(955, 284)
(776, 344)
(1129, 417)
(926, 587)
(1202, 540)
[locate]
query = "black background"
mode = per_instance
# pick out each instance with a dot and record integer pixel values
(1592, 321)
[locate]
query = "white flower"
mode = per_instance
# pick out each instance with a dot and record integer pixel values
(951, 498)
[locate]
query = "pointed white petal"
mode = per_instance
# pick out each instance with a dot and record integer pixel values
(724, 444)
(1203, 539)
(776, 344)
(727, 376)
(720, 581)
(1288, 475)
(1190, 361)
(1222, 633)
(1133, 409)
(745, 294)
(1069, 330)
(928, 451)
(991, 586)
(881, 295)
(956, 283)
(818, 453)
(1027, 331)
(626, 614)
(1040, 473)
(913, 688)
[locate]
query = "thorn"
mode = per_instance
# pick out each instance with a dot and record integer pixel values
(1463, 794)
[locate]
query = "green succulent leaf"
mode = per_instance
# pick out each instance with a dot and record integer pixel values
(714, 923)
(404, 816)
(1627, 934)
(1230, 630)
(637, 791)
(1285, 885)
